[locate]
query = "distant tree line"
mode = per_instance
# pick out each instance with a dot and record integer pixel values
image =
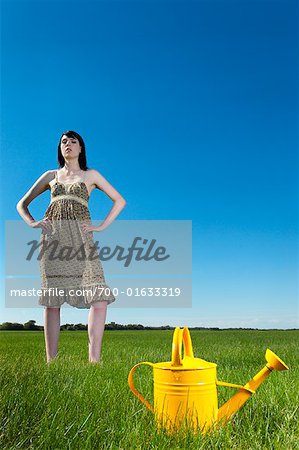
(31, 326)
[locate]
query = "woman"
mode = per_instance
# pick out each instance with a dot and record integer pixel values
(67, 223)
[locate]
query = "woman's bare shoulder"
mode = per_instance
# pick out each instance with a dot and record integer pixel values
(94, 178)
(51, 177)
(91, 174)
(47, 176)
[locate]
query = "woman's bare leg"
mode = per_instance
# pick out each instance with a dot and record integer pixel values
(96, 326)
(51, 330)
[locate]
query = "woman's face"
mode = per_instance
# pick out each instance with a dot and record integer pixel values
(70, 147)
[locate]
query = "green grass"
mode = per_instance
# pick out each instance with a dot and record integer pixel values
(72, 404)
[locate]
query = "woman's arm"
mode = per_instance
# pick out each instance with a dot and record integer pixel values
(40, 186)
(119, 202)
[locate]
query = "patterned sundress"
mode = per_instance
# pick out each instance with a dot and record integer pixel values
(70, 268)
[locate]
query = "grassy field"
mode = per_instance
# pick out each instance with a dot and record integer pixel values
(71, 404)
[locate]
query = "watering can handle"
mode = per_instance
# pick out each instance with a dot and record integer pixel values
(181, 335)
(134, 390)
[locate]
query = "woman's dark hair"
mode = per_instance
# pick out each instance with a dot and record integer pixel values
(82, 155)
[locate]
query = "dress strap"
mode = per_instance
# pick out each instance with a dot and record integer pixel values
(56, 176)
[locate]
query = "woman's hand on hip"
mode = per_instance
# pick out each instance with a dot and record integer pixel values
(44, 224)
(87, 228)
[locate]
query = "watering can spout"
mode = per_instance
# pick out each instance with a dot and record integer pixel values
(235, 403)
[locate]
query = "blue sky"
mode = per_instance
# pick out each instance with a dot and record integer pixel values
(190, 110)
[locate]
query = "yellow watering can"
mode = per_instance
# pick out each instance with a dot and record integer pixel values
(185, 389)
